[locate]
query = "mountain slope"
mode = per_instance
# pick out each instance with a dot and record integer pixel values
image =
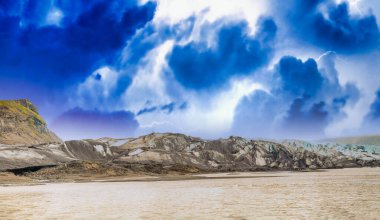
(233, 153)
(167, 152)
(27, 143)
(20, 123)
(41, 155)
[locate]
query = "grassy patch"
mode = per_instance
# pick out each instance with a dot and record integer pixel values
(16, 107)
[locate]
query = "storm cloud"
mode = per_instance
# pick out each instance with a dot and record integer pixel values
(291, 69)
(198, 66)
(78, 38)
(297, 106)
(330, 25)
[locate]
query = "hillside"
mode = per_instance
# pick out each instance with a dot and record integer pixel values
(167, 153)
(20, 123)
(234, 153)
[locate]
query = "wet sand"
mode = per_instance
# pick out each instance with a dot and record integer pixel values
(331, 194)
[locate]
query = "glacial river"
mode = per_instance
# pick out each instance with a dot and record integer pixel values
(331, 194)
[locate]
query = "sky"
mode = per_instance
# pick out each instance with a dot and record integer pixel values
(209, 68)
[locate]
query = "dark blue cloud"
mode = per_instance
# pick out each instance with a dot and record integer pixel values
(91, 34)
(167, 108)
(371, 121)
(315, 99)
(98, 76)
(311, 109)
(196, 66)
(340, 102)
(299, 78)
(79, 123)
(336, 29)
(147, 110)
(154, 35)
(99, 30)
(375, 108)
(307, 121)
(342, 32)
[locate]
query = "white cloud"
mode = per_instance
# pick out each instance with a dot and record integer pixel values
(148, 86)
(175, 11)
(361, 70)
(212, 114)
(97, 88)
(54, 16)
(208, 115)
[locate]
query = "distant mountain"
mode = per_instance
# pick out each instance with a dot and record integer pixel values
(20, 123)
(364, 140)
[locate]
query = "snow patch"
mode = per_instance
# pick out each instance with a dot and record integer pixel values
(119, 143)
(135, 152)
(23, 155)
(100, 149)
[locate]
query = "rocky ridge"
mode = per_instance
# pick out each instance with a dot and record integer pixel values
(18, 157)
(236, 153)
(159, 153)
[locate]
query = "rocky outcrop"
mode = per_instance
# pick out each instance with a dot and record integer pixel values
(19, 157)
(343, 155)
(20, 123)
(87, 150)
(13, 157)
(26, 142)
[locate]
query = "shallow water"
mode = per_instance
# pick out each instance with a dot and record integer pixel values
(334, 194)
